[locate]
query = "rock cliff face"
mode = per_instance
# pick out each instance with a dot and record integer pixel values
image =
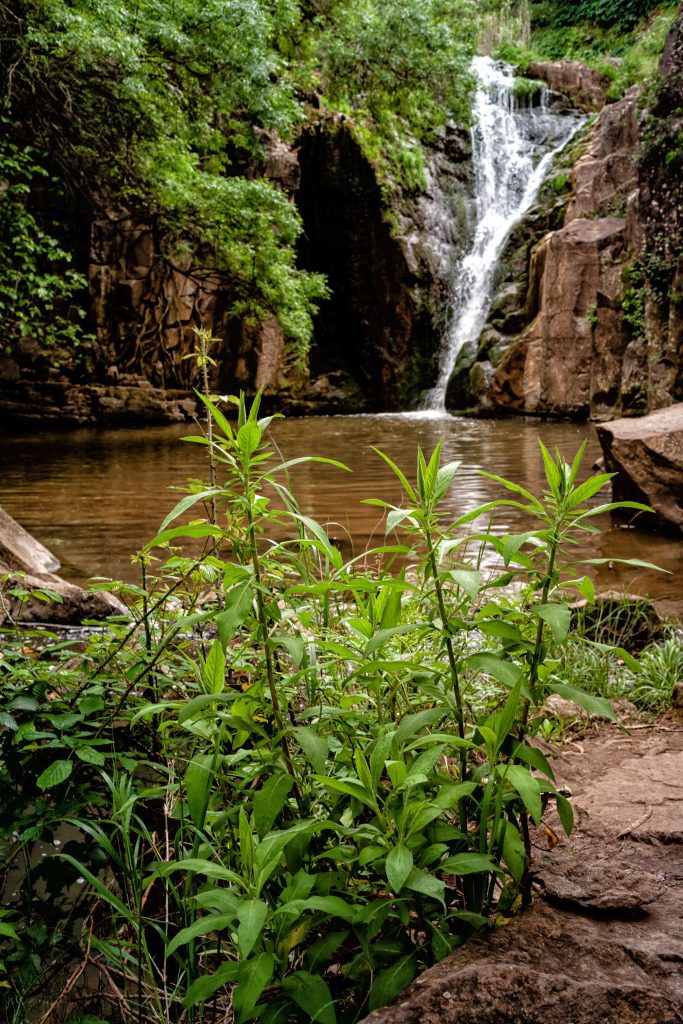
(388, 269)
(389, 261)
(587, 87)
(599, 330)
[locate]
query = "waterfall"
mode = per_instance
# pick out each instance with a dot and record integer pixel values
(513, 146)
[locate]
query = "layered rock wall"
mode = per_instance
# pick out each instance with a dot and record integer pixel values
(388, 264)
(599, 330)
(388, 254)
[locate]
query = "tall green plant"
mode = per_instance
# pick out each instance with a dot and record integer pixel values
(334, 766)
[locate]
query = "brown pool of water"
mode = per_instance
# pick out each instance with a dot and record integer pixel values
(94, 497)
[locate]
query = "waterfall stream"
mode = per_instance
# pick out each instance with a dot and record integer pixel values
(513, 146)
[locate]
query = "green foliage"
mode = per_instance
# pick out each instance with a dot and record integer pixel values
(650, 689)
(561, 182)
(172, 95)
(624, 13)
(299, 794)
(633, 300)
(158, 108)
(403, 63)
(39, 290)
(594, 32)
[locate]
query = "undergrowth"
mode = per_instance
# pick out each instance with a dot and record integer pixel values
(281, 799)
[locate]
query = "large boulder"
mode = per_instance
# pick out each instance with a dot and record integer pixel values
(647, 456)
(569, 360)
(567, 349)
(585, 86)
(28, 581)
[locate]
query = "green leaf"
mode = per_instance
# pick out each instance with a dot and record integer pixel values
(198, 777)
(594, 705)
(499, 628)
(314, 747)
(393, 980)
(513, 542)
(536, 758)
(514, 854)
(54, 774)
(411, 725)
(269, 801)
(333, 906)
(323, 541)
(637, 563)
(190, 530)
(202, 926)
(249, 438)
(197, 865)
(448, 796)
(558, 617)
(217, 415)
(214, 669)
(252, 977)
(469, 580)
(511, 486)
(239, 602)
(318, 955)
(270, 850)
(469, 864)
(444, 479)
(252, 916)
(399, 864)
(397, 516)
(552, 471)
(310, 992)
(394, 468)
(565, 813)
(504, 671)
(91, 755)
(522, 780)
(382, 635)
(187, 502)
(349, 787)
(587, 489)
(206, 984)
(502, 721)
(246, 840)
(426, 884)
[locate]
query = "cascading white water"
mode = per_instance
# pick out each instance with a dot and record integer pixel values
(512, 149)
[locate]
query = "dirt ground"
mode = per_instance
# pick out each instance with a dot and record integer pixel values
(603, 940)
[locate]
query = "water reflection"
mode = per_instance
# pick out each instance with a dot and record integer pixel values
(95, 496)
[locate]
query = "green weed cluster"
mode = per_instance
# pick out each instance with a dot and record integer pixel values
(291, 796)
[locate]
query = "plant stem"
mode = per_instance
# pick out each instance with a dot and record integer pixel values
(453, 666)
(263, 635)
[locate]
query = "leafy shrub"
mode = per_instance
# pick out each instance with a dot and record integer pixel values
(324, 780)
(39, 291)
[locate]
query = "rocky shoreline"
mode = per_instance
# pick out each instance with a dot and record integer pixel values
(603, 940)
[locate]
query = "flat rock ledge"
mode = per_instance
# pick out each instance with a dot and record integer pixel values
(603, 940)
(27, 565)
(647, 455)
(130, 400)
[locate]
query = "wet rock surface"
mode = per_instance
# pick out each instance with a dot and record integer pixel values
(595, 333)
(647, 456)
(603, 941)
(27, 566)
(131, 399)
(574, 357)
(585, 86)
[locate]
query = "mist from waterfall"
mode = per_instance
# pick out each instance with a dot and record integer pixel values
(513, 147)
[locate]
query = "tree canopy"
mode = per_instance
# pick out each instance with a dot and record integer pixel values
(155, 107)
